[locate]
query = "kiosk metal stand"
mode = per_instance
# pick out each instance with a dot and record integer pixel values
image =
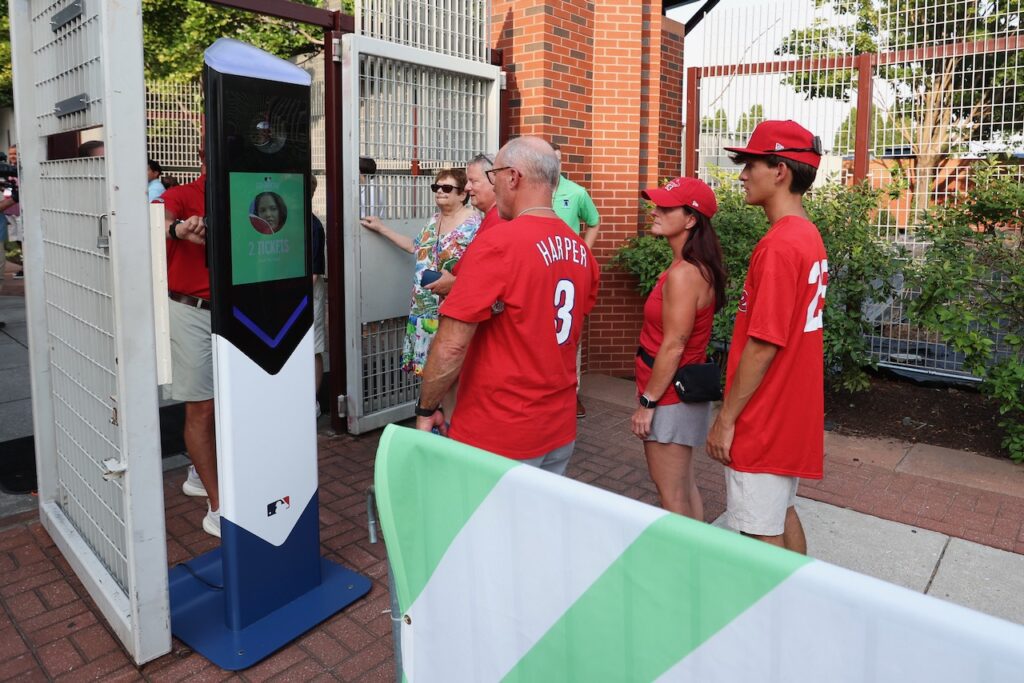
(267, 583)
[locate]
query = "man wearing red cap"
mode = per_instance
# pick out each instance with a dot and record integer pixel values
(770, 430)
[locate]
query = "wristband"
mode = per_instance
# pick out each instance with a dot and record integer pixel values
(425, 412)
(174, 228)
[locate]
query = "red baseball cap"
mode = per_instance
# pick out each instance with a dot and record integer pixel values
(684, 191)
(786, 139)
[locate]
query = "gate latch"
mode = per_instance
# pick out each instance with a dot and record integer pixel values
(113, 468)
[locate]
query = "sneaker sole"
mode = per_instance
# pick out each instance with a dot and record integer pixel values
(190, 489)
(211, 528)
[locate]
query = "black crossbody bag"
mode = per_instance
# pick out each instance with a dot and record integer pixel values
(694, 383)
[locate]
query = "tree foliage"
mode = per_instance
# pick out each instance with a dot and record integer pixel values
(715, 124)
(6, 75)
(175, 33)
(749, 120)
(886, 133)
(940, 104)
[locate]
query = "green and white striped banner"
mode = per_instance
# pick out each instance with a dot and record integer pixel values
(505, 572)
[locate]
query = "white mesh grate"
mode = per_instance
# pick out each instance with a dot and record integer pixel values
(80, 322)
(68, 65)
(460, 28)
(174, 127)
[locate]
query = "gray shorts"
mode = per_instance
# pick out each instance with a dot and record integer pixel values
(554, 461)
(191, 353)
(685, 424)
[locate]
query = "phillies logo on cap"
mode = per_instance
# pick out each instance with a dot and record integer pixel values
(672, 184)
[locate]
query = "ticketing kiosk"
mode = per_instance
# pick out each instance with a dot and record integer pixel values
(267, 583)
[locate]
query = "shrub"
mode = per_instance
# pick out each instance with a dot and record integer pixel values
(972, 289)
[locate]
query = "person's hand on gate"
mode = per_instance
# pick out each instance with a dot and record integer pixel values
(372, 223)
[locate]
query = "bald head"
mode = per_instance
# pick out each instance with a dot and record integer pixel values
(533, 157)
(525, 176)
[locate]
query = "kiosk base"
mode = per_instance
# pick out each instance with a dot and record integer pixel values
(197, 611)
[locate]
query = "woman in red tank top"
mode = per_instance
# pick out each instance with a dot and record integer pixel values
(678, 315)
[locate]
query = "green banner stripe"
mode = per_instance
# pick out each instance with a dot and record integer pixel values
(414, 470)
(671, 590)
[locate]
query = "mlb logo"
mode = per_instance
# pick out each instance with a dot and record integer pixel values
(278, 505)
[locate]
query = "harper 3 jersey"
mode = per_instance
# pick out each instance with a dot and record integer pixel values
(528, 283)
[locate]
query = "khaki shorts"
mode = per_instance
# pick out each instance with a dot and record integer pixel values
(191, 353)
(319, 309)
(756, 502)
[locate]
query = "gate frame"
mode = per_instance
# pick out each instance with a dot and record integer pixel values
(140, 615)
(350, 368)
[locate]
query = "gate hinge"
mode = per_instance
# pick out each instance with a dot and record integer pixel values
(112, 468)
(342, 405)
(335, 49)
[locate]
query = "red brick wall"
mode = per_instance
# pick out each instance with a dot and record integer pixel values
(607, 86)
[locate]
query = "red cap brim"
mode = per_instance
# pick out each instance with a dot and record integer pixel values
(661, 197)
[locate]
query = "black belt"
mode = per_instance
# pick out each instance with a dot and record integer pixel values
(193, 301)
(647, 358)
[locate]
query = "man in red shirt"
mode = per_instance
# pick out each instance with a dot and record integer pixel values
(770, 430)
(188, 284)
(510, 327)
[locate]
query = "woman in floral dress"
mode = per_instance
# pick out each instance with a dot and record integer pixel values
(438, 247)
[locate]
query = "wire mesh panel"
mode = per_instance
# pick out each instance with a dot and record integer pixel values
(80, 326)
(745, 82)
(943, 94)
(413, 112)
(89, 306)
(460, 28)
(174, 127)
(946, 97)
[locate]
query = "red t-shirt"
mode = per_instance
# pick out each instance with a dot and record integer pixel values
(517, 390)
(491, 219)
(186, 261)
(653, 333)
(781, 429)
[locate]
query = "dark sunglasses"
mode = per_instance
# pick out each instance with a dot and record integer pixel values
(446, 188)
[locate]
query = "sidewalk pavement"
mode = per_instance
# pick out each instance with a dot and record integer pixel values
(896, 511)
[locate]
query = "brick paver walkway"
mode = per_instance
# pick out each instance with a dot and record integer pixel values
(50, 629)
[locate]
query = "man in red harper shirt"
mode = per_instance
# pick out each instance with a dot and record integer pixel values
(770, 430)
(188, 284)
(511, 325)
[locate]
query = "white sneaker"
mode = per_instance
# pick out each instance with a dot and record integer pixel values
(211, 522)
(193, 486)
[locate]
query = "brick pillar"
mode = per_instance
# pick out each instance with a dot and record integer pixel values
(604, 80)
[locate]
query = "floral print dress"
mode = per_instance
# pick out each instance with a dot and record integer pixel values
(432, 254)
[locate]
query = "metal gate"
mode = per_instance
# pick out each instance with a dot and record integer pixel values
(414, 111)
(89, 299)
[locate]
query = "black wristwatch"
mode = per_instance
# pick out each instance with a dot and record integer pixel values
(425, 412)
(174, 228)
(646, 402)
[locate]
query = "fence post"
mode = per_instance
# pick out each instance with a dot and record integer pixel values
(692, 121)
(862, 141)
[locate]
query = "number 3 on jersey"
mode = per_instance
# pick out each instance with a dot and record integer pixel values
(565, 301)
(818, 276)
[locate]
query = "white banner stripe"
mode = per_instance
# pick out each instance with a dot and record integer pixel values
(825, 623)
(555, 538)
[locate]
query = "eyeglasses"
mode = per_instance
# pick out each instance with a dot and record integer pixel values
(495, 171)
(446, 188)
